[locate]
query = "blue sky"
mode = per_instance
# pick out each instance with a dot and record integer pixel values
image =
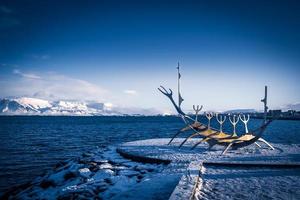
(120, 52)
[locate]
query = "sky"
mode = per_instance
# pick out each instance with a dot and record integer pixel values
(119, 52)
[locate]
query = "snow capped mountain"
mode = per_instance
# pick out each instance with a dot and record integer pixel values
(35, 106)
(33, 103)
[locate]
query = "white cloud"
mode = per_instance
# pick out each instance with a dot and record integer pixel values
(108, 104)
(26, 75)
(130, 92)
(51, 86)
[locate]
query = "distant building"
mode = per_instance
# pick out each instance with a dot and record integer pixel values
(275, 112)
(291, 112)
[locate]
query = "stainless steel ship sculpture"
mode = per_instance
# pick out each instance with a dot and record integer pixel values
(214, 136)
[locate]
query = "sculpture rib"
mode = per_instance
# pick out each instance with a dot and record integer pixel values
(196, 127)
(211, 133)
(241, 141)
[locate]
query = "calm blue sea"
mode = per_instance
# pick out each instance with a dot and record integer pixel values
(31, 145)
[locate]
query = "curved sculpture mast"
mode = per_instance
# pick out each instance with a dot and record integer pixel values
(265, 101)
(180, 99)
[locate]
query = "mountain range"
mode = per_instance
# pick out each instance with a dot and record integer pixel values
(35, 106)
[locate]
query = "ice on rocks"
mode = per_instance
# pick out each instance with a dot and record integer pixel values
(99, 160)
(85, 172)
(106, 166)
(102, 174)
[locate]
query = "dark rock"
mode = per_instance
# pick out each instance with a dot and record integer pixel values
(140, 176)
(47, 183)
(93, 167)
(70, 175)
(150, 170)
(99, 189)
(93, 163)
(82, 161)
(112, 162)
(108, 180)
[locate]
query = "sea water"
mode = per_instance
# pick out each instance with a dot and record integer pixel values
(32, 145)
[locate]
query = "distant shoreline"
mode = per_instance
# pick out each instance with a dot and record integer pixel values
(280, 118)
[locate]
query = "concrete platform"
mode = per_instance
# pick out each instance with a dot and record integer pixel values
(194, 161)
